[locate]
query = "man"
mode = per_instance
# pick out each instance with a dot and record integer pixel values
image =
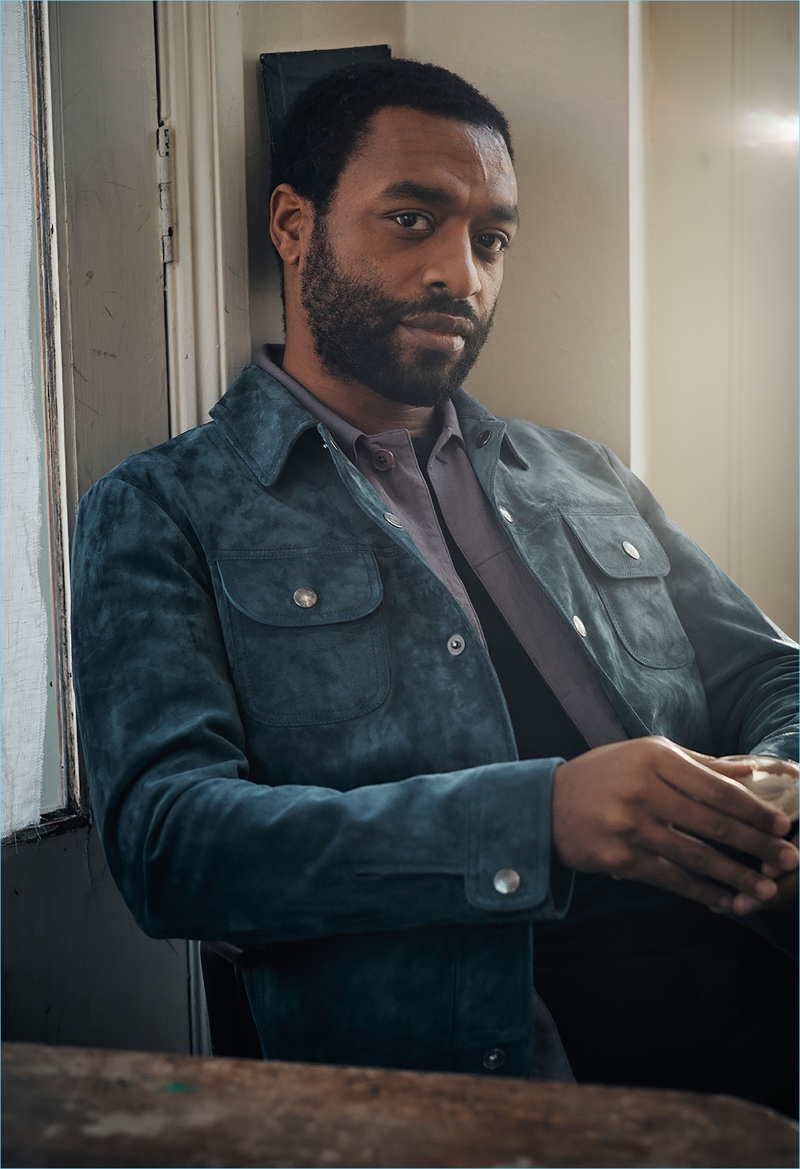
(366, 675)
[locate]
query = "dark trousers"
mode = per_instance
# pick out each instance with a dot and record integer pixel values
(652, 990)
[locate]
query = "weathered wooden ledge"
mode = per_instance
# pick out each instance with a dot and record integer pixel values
(83, 1107)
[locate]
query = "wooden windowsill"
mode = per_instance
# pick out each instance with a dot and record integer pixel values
(79, 1106)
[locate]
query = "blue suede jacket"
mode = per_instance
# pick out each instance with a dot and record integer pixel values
(329, 782)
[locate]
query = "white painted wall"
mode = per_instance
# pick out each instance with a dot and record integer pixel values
(721, 283)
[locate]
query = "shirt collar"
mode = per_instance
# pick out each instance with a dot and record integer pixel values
(262, 417)
(345, 435)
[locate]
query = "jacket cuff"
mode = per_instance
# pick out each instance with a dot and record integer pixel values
(509, 864)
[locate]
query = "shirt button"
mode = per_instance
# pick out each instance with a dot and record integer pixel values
(506, 880)
(305, 598)
(392, 519)
(579, 625)
(506, 514)
(494, 1058)
(332, 444)
(630, 549)
(383, 460)
(483, 438)
(456, 644)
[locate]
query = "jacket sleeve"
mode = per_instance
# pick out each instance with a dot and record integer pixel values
(748, 666)
(200, 850)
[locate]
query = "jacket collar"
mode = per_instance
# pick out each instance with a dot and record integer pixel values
(263, 421)
(475, 419)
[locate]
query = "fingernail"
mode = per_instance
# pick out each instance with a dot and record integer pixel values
(787, 858)
(765, 888)
(781, 824)
(744, 904)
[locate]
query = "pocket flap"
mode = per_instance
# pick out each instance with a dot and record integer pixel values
(613, 541)
(302, 589)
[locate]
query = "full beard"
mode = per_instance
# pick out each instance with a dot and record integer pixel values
(354, 329)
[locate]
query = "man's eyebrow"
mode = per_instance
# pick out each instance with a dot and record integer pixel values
(408, 189)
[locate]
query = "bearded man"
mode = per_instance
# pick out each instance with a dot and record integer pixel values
(424, 709)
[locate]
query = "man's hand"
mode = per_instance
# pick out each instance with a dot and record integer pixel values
(635, 810)
(787, 882)
(787, 894)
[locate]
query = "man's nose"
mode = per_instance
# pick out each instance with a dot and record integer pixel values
(451, 265)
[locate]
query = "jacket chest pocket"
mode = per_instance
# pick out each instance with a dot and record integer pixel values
(627, 565)
(304, 631)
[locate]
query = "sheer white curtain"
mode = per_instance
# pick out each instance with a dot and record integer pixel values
(29, 719)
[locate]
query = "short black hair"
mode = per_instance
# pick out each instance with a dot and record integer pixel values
(330, 118)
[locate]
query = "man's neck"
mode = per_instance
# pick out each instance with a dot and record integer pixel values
(360, 406)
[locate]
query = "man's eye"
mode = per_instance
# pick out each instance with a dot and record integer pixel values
(490, 241)
(413, 220)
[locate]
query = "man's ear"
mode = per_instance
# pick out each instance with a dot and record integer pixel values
(291, 220)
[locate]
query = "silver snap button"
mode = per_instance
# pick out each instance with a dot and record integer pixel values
(305, 598)
(383, 460)
(630, 549)
(483, 438)
(579, 625)
(506, 514)
(506, 880)
(494, 1059)
(456, 644)
(392, 519)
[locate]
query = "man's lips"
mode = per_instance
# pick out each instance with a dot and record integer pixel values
(440, 323)
(438, 331)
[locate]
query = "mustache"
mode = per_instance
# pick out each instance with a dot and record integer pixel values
(435, 305)
(439, 303)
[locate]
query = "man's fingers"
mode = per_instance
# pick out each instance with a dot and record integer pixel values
(716, 827)
(786, 896)
(776, 871)
(693, 779)
(700, 859)
(730, 767)
(658, 870)
(665, 874)
(743, 903)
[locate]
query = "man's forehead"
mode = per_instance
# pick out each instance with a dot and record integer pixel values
(402, 146)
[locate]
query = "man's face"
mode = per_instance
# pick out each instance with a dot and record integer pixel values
(400, 278)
